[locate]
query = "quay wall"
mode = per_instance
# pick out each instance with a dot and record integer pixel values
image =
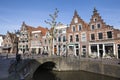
(74, 64)
(98, 66)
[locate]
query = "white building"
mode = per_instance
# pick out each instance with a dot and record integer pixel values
(59, 42)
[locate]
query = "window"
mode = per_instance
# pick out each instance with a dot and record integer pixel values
(100, 35)
(79, 27)
(98, 26)
(59, 39)
(109, 34)
(54, 39)
(64, 31)
(95, 19)
(84, 48)
(64, 47)
(71, 38)
(26, 46)
(60, 31)
(73, 28)
(77, 38)
(76, 45)
(92, 27)
(36, 35)
(45, 41)
(84, 51)
(64, 39)
(49, 41)
(83, 37)
(92, 36)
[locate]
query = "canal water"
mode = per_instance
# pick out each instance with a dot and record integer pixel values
(70, 75)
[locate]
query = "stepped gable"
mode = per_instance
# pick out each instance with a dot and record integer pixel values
(96, 18)
(76, 20)
(28, 27)
(80, 20)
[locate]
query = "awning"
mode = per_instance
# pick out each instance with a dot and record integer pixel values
(71, 44)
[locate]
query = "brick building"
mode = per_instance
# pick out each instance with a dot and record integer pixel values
(77, 36)
(36, 40)
(94, 39)
(102, 37)
(24, 38)
(10, 42)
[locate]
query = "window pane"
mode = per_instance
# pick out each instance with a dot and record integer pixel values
(109, 34)
(83, 38)
(100, 35)
(92, 37)
(98, 25)
(64, 38)
(73, 28)
(93, 27)
(80, 27)
(71, 38)
(77, 38)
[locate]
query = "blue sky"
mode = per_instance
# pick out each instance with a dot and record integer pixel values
(35, 12)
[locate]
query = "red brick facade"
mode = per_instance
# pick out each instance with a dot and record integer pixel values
(95, 39)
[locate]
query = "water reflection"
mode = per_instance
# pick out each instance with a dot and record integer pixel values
(44, 72)
(81, 75)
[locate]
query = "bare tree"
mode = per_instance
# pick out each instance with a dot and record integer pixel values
(52, 23)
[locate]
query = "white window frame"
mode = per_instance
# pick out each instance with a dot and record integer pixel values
(85, 37)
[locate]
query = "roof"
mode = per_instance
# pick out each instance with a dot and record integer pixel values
(39, 28)
(42, 29)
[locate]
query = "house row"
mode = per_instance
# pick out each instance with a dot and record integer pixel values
(94, 39)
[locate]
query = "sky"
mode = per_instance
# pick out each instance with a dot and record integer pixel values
(35, 12)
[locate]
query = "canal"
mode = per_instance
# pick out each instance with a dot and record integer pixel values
(70, 75)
